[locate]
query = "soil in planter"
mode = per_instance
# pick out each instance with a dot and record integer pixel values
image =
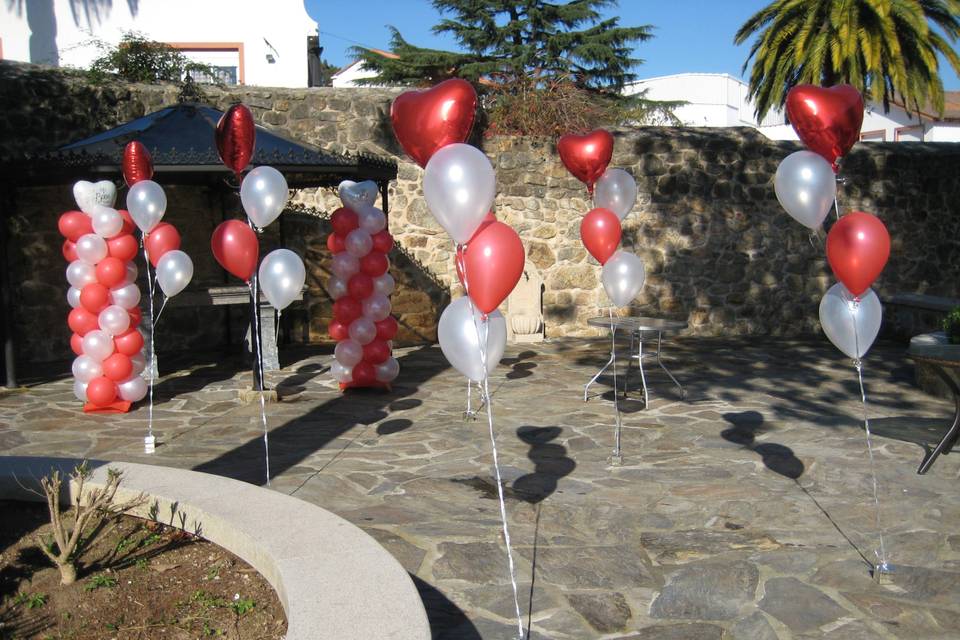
(143, 580)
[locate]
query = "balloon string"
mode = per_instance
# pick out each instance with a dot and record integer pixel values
(152, 364)
(259, 351)
(162, 307)
(276, 333)
(616, 402)
(836, 202)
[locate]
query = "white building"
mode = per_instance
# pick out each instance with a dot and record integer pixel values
(251, 42)
(357, 70)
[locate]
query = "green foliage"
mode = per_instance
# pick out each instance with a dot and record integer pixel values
(242, 606)
(138, 59)
(31, 600)
(207, 600)
(98, 581)
(951, 326)
(885, 48)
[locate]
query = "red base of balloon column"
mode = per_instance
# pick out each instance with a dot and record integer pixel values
(119, 406)
(386, 386)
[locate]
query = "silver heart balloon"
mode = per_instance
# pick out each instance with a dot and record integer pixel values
(353, 194)
(851, 325)
(459, 332)
(92, 194)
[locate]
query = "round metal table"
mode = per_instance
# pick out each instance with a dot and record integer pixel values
(935, 350)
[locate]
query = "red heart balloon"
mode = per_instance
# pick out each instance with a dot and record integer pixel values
(827, 120)
(162, 238)
(586, 157)
(236, 137)
(492, 265)
(425, 121)
(858, 246)
(600, 232)
(137, 163)
(236, 248)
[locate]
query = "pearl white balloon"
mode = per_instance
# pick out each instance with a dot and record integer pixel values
(348, 353)
(132, 389)
(139, 362)
(80, 390)
(459, 186)
(98, 345)
(106, 222)
(806, 187)
(114, 320)
(264, 194)
(622, 277)
(282, 275)
(344, 265)
(459, 331)
(132, 273)
(616, 190)
(73, 297)
(336, 287)
(127, 296)
(371, 219)
(387, 370)
(362, 330)
(358, 243)
(86, 368)
(341, 373)
(376, 306)
(80, 273)
(174, 272)
(91, 248)
(851, 325)
(92, 194)
(146, 203)
(384, 284)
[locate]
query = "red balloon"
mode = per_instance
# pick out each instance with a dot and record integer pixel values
(425, 121)
(74, 224)
(137, 164)
(236, 138)
(382, 241)
(236, 248)
(117, 367)
(94, 297)
(128, 224)
(338, 330)
(386, 328)
(163, 238)
(360, 286)
(493, 264)
(586, 157)
(69, 251)
(111, 271)
(129, 342)
(335, 243)
(374, 264)
(827, 120)
(101, 391)
(82, 321)
(123, 247)
(600, 232)
(376, 351)
(135, 316)
(458, 260)
(364, 374)
(344, 221)
(858, 246)
(76, 343)
(346, 310)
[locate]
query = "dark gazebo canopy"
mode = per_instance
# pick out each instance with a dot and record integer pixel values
(181, 142)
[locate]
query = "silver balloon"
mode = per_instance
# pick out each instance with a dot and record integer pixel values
(91, 248)
(146, 203)
(358, 243)
(174, 272)
(73, 297)
(348, 353)
(851, 325)
(127, 296)
(616, 190)
(384, 284)
(459, 186)
(139, 362)
(460, 341)
(362, 330)
(344, 265)
(98, 345)
(387, 370)
(806, 187)
(132, 389)
(371, 219)
(132, 273)
(264, 194)
(80, 390)
(114, 320)
(355, 195)
(376, 306)
(341, 373)
(282, 275)
(86, 368)
(336, 287)
(622, 277)
(106, 221)
(80, 273)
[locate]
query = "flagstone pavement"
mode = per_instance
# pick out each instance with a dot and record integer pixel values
(744, 510)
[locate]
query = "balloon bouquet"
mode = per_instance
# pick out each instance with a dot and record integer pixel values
(828, 122)
(459, 186)
(361, 286)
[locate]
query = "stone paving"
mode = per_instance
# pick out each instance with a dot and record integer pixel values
(744, 510)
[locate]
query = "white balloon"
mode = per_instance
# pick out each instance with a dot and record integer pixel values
(357, 194)
(616, 190)
(91, 248)
(132, 273)
(282, 275)
(384, 284)
(341, 373)
(73, 297)
(622, 277)
(106, 221)
(264, 194)
(139, 362)
(459, 331)
(127, 296)
(174, 272)
(348, 353)
(358, 243)
(387, 370)
(851, 325)
(98, 345)
(362, 330)
(89, 194)
(80, 390)
(344, 265)
(114, 320)
(80, 273)
(86, 368)
(133, 389)
(146, 203)
(371, 219)
(459, 186)
(336, 287)
(806, 187)
(376, 306)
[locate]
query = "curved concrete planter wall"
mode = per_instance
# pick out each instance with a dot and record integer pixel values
(333, 580)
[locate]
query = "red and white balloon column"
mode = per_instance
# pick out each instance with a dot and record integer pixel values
(361, 288)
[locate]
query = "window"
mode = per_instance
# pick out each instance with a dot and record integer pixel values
(225, 57)
(909, 134)
(879, 135)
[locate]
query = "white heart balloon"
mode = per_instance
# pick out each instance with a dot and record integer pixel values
(354, 194)
(92, 194)
(459, 332)
(851, 325)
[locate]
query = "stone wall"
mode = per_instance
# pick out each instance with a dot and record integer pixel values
(719, 250)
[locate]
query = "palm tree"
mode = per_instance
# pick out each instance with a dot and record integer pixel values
(886, 48)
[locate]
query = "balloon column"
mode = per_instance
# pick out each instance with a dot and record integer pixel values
(103, 294)
(361, 288)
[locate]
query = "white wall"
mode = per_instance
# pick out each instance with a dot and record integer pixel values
(895, 126)
(59, 32)
(348, 76)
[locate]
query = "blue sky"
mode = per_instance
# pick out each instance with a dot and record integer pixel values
(689, 35)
